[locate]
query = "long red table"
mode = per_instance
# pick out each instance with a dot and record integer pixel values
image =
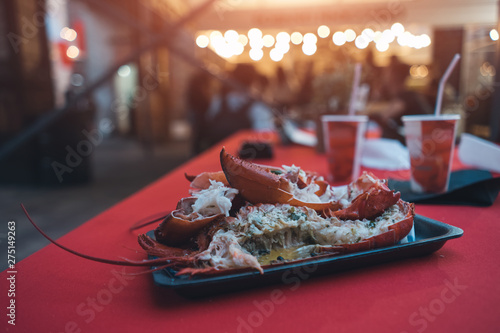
(456, 289)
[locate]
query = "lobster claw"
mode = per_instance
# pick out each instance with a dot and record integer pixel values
(392, 236)
(261, 184)
(371, 198)
(368, 205)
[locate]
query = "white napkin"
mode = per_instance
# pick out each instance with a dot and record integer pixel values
(385, 154)
(479, 153)
(299, 136)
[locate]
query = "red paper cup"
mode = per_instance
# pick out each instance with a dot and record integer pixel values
(430, 140)
(343, 135)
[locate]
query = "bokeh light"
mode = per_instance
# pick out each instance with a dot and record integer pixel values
(296, 38)
(256, 43)
(283, 37)
(368, 34)
(231, 43)
(231, 36)
(276, 55)
(323, 31)
(309, 48)
(398, 29)
(426, 40)
(68, 34)
(62, 33)
(124, 71)
(382, 46)
(256, 54)
(310, 38)
(73, 52)
(487, 69)
(350, 35)
(243, 40)
(494, 34)
(202, 41)
(237, 48)
(339, 38)
(268, 40)
(254, 33)
(361, 42)
(419, 71)
(405, 39)
(216, 36)
(282, 47)
(388, 36)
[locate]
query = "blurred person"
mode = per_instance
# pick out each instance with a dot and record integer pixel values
(231, 110)
(281, 92)
(372, 74)
(260, 113)
(398, 101)
(199, 95)
(306, 91)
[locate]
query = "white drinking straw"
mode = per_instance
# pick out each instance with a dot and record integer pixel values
(355, 88)
(442, 82)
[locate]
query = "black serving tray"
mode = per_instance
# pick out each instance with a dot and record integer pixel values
(430, 235)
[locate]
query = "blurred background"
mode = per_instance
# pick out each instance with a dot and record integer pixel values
(100, 98)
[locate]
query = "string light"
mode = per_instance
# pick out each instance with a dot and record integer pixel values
(256, 43)
(283, 37)
(368, 34)
(398, 29)
(202, 41)
(339, 38)
(276, 55)
(310, 38)
(382, 46)
(243, 40)
(231, 43)
(282, 47)
(361, 42)
(388, 36)
(254, 33)
(256, 54)
(296, 38)
(350, 35)
(268, 40)
(323, 31)
(309, 48)
(231, 36)
(237, 48)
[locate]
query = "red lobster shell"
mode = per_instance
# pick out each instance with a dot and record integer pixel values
(182, 224)
(186, 240)
(260, 184)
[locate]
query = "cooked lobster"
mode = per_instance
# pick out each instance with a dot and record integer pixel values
(251, 217)
(288, 215)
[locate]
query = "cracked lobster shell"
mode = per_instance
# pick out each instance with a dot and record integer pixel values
(258, 185)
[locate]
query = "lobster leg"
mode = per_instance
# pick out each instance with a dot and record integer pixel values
(125, 262)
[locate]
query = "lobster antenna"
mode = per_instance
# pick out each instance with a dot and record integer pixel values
(146, 221)
(85, 256)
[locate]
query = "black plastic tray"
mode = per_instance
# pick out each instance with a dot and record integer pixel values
(430, 236)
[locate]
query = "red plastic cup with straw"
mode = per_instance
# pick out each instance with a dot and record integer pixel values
(431, 141)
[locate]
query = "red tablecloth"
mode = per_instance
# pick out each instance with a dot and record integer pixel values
(456, 289)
